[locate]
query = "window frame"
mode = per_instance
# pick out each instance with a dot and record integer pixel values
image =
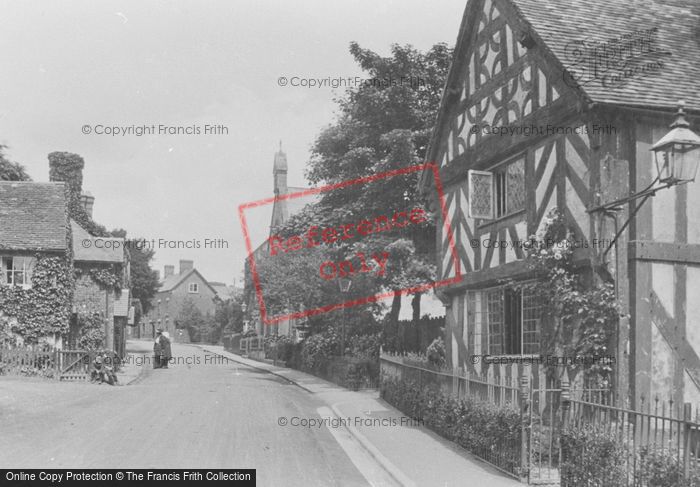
(193, 288)
(495, 343)
(500, 171)
(8, 276)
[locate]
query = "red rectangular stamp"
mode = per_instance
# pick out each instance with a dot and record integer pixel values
(314, 249)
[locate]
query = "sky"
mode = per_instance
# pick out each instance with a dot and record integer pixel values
(72, 70)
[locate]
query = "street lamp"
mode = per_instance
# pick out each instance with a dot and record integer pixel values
(677, 153)
(344, 285)
(676, 156)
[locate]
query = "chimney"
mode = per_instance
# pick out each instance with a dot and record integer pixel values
(68, 168)
(186, 265)
(88, 201)
(168, 271)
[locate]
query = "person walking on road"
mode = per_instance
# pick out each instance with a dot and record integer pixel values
(157, 350)
(165, 350)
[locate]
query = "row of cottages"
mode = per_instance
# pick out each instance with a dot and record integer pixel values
(589, 88)
(174, 291)
(59, 283)
(282, 210)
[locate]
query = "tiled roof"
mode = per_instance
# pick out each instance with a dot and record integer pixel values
(87, 248)
(32, 216)
(223, 291)
(560, 23)
(171, 282)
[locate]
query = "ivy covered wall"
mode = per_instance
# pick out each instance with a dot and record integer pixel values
(45, 308)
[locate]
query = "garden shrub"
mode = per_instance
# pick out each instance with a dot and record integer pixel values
(659, 468)
(487, 430)
(280, 347)
(591, 456)
(436, 353)
(318, 349)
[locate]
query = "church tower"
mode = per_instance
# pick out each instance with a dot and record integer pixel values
(280, 214)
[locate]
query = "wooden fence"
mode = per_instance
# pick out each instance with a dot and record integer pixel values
(252, 344)
(48, 362)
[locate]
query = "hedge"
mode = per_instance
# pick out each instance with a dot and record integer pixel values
(489, 431)
(593, 457)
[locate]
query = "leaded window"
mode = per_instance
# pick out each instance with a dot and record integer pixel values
(511, 318)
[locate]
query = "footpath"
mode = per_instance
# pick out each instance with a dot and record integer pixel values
(412, 454)
(138, 362)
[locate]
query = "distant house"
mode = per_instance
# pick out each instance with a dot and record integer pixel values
(174, 291)
(59, 283)
(224, 292)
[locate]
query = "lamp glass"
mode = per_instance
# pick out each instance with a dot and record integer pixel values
(677, 162)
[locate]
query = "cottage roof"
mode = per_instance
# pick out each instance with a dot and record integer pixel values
(171, 282)
(561, 23)
(33, 216)
(223, 291)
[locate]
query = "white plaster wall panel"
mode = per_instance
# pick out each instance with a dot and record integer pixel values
(663, 285)
(577, 208)
(664, 216)
(691, 393)
(546, 177)
(692, 311)
(693, 212)
(662, 365)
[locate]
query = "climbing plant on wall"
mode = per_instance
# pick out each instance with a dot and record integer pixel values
(580, 315)
(43, 309)
(91, 333)
(108, 277)
(68, 167)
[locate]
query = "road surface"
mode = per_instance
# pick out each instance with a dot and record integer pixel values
(205, 414)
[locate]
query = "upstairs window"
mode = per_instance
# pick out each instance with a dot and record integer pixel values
(16, 271)
(499, 192)
(193, 287)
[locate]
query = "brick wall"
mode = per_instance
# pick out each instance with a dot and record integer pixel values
(89, 298)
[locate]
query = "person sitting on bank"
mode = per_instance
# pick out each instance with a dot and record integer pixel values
(157, 350)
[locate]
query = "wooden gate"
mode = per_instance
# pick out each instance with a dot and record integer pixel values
(74, 364)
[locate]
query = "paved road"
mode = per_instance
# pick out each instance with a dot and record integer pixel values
(207, 414)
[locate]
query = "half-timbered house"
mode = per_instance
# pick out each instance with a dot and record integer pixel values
(557, 104)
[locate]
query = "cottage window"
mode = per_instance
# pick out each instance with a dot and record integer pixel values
(193, 287)
(510, 318)
(499, 192)
(16, 271)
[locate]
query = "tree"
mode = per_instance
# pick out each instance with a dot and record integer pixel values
(228, 316)
(192, 319)
(144, 280)
(382, 127)
(11, 171)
